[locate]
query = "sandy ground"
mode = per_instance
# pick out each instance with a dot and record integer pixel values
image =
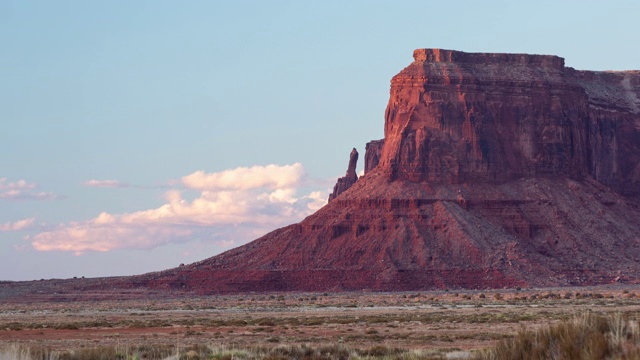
(444, 321)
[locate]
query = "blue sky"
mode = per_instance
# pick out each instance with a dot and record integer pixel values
(138, 135)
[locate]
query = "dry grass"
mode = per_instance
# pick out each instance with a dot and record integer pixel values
(428, 325)
(329, 352)
(24, 352)
(586, 336)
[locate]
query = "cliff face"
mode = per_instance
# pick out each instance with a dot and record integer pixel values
(455, 117)
(614, 127)
(496, 170)
(373, 151)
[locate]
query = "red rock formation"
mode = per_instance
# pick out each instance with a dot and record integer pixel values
(350, 178)
(495, 170)
(372, 153)
(456, 117)
(614, 127)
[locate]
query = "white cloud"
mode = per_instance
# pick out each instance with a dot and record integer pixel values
(233, 206)
(22, 190)
(24, 224)
(105, 183)
(243, 178)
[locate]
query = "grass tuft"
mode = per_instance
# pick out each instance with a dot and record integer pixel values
(586, 336)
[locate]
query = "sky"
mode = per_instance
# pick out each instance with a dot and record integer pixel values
(139, 135)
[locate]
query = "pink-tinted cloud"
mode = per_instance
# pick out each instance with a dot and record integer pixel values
(243, 178)
(106, 183)
(22, 190)
(18, 185)
(24, 224)
(233, 206)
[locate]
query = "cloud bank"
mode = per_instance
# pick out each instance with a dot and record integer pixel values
(22, 190)
(231, 207)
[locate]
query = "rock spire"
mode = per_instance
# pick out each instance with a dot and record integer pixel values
(350, 178)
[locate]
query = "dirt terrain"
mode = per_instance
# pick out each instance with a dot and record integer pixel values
(440, 321)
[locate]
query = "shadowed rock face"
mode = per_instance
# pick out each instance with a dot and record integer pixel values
(495, 170)
(613, 127)
(373, 150)
(350, 178)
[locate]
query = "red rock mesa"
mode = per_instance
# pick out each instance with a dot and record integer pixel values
(495, 170)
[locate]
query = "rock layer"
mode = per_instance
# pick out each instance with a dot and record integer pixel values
(412, 236)
(457, 117)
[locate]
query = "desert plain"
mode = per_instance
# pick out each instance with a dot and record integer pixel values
(433, 324)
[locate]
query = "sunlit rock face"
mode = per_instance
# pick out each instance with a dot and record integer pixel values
(456, 117)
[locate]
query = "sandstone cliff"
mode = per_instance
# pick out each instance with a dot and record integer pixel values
(373, 150)
(455, 117)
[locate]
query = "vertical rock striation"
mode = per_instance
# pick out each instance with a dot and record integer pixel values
(456, 117)
(613, 153)
(372, 153)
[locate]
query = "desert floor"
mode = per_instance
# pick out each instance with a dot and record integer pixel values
(443, 321)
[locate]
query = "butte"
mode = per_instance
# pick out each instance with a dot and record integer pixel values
(496, 170)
